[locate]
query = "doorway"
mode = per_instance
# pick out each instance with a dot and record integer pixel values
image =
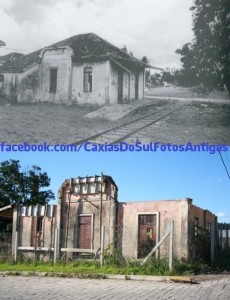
(120, 87)
(85, 232)
(146, 233)
(136, 86)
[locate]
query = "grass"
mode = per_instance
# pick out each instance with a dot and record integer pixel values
(182, 92)
(57, 124)
(153, 267)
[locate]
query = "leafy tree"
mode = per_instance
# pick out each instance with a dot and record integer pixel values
(20, 187)
(206, 60)
(147, 73)
(224, 29)
(144, 59)
(188, 76)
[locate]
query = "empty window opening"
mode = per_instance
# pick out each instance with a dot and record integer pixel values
(53, 80)
(87, 84)
(196, 223)
(146, 234)
(39, 225)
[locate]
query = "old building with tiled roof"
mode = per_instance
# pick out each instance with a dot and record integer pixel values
(81, 69)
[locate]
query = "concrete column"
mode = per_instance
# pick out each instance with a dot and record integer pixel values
(185, 227)
(112, 223)
(58, 227)
(15, 233)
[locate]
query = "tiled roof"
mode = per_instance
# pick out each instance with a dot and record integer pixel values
(85, 46)
(10, 56)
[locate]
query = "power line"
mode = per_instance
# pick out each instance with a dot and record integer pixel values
(16, 50)
(224, 164)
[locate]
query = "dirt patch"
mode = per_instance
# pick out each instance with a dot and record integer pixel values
(43, 122)
(196, 123)
(51, 123)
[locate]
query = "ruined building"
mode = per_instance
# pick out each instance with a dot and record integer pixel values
(72, 228)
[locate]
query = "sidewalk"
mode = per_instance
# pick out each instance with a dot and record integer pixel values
(46, 288)
(117, 111)
(179, 278)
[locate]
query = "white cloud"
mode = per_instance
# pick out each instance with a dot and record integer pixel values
(149, 27)
(220, 214)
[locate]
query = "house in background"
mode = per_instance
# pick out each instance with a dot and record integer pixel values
(134, 228)
(81, 69)
(5, 59)
(10, 57)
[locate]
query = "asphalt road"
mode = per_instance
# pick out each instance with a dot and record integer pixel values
(20, 287)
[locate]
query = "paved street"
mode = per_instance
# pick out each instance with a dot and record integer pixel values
(62, 288)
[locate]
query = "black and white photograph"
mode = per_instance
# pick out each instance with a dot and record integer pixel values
(109, 71)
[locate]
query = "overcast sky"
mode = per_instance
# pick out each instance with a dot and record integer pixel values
(153, 28)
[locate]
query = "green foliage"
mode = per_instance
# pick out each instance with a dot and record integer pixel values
(23, 187)
(144, 59)
(114, 257)
(85, 267)
(185, 267)
(199, 246)
(206, 60)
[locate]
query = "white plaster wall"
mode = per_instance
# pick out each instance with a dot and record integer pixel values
(60, 59)
(100, 83)
(141, 85)
(132, 86)
(113, 85)
(11, 80)
(32, 94)
(125, 86)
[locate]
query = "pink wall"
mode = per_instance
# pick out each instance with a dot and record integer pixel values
(167, 211)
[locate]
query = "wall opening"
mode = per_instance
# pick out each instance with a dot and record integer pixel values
(120, 87)
(87, 80)
(85, 232)
(146, 233)
(136, 86)
(53, 80)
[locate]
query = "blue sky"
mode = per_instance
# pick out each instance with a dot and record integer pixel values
(144, 176)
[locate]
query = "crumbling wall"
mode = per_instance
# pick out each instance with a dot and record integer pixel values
(29, 87)
(9, 87)
(199, 231)
(82, 197)
(166, 212)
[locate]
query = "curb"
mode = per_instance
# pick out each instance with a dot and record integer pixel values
(187, 99)
(181, 279)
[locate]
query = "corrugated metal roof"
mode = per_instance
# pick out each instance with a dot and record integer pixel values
(6, 212)
(86, 47)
